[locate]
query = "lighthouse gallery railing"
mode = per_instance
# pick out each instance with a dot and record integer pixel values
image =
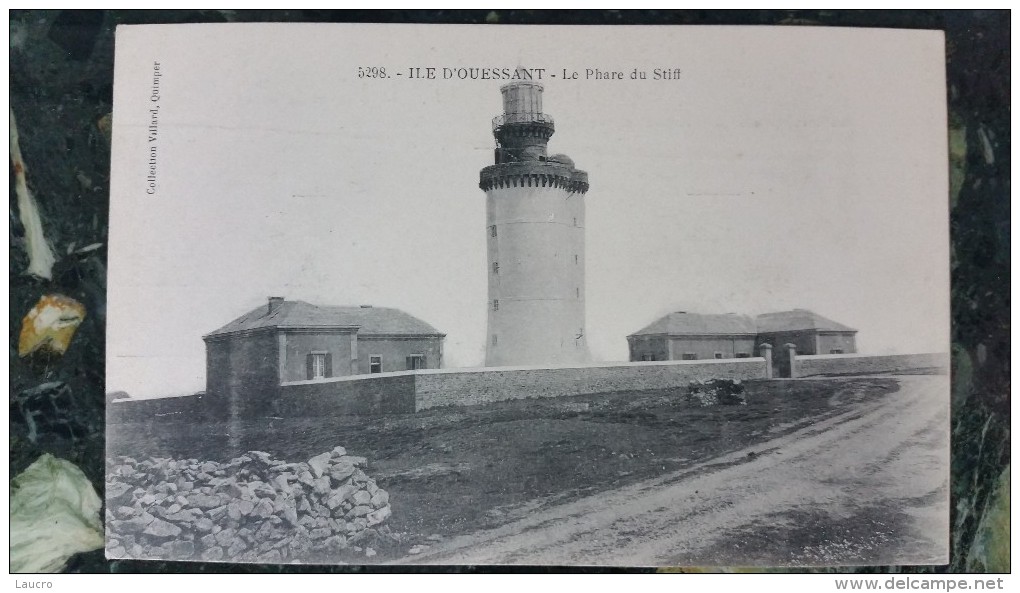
(520, 118)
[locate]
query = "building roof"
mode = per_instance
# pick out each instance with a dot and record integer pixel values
(798, 319)
(299, 314)
(700, 324)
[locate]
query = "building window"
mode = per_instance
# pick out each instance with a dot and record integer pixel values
(575, 259)
(318, 366)
(415, 361)
(495, 304)
(718, 354)
(689, 356)
(495, 267)
(577, 291)
(492, 230)
(743, 355)
(494, 341)
(575, 221)
(647, 357)
(375, 364)
(836, 351)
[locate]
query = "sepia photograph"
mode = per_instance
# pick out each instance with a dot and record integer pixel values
(544, 295)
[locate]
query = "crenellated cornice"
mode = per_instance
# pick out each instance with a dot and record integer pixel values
(533, 174)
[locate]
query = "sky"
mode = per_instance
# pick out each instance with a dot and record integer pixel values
(785, 167)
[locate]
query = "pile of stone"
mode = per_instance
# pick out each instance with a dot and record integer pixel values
(251, 509)
(716, 392)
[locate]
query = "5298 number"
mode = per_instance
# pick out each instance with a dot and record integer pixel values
(372, 72)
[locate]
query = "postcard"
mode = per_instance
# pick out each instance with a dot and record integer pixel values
(528, 295)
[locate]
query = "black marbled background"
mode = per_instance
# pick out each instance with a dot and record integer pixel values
(61, 89)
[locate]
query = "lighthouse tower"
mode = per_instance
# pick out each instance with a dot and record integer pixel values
(535, 231)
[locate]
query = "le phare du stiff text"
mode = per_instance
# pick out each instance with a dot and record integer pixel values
(536, 74)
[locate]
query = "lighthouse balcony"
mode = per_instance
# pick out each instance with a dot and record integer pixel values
(521, 118)
(533, 174)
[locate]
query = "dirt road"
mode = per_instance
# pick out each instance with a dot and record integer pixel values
(869, 486)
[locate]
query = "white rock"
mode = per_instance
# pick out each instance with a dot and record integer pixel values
(380, 499)
(322, 485)
(341, 471)
(161, 528)
(318, 464)
(378, 516)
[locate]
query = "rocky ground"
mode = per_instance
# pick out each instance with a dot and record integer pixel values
(459, 470)
(253, 508)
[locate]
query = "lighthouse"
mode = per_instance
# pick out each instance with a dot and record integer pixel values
(534, 210)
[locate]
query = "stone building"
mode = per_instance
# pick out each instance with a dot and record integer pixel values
(694, 336)
(535, 232)
(285, 341)
(809, 331)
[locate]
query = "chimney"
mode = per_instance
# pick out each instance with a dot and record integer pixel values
(275, 303)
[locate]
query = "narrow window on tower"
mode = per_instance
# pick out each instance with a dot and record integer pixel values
(495, 267)
(575, 221)
(495, 304)
(494, 339)
(575, 259)
(492, 230)
(577, 289)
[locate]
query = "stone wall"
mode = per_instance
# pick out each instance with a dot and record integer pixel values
(406, 392)
(385, 393)
(862, 364)
(168, 409)
(479, 386)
